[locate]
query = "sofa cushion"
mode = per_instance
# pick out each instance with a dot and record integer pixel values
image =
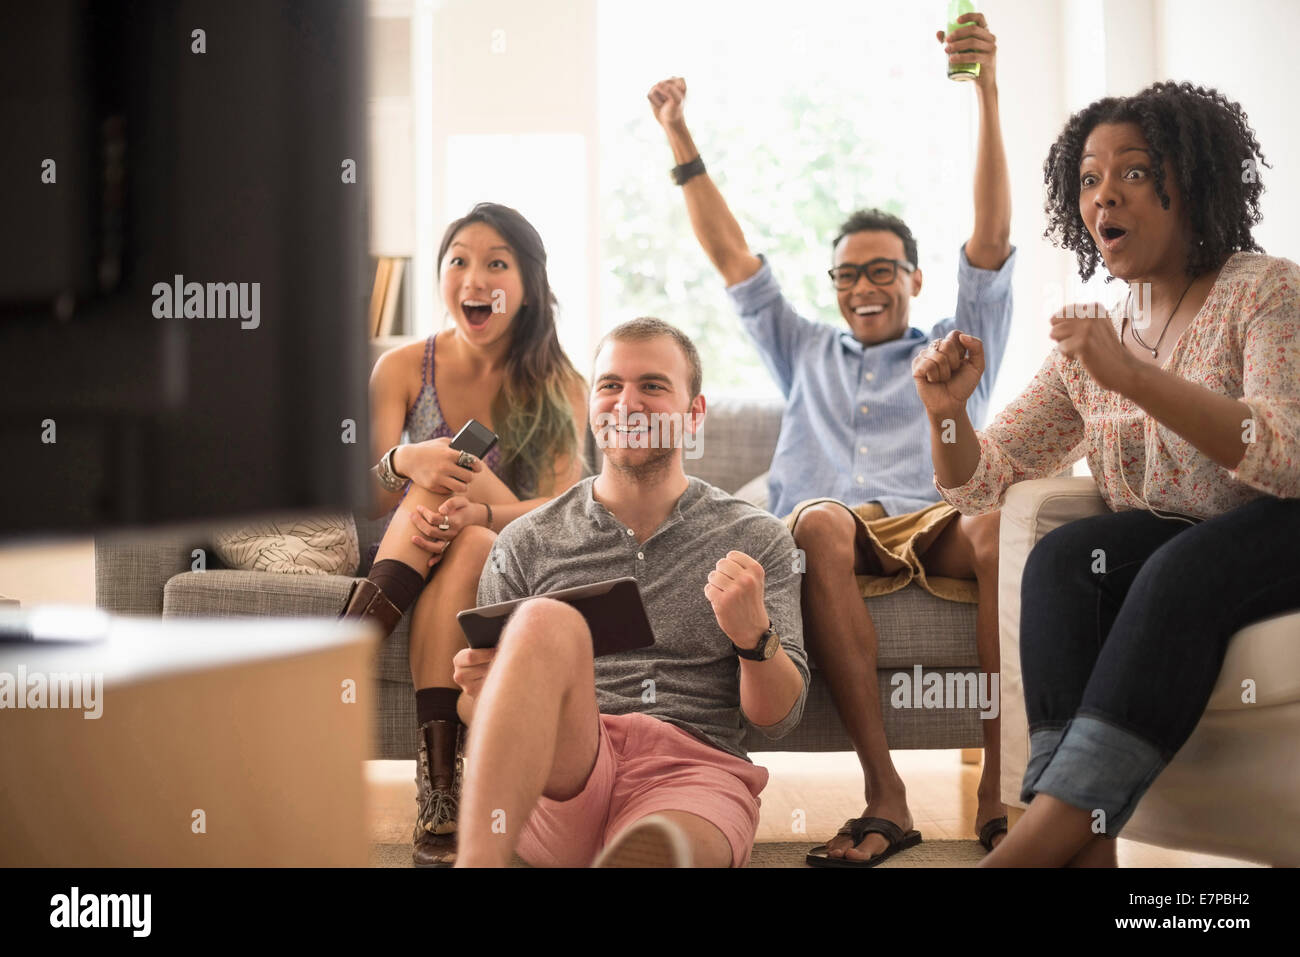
(224, 593)
(821, 728)
(914, 628)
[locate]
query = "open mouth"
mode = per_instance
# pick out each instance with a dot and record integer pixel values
(1111, 235)
(476, 313)
(871, 309)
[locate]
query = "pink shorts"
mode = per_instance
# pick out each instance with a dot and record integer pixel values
(644, 765)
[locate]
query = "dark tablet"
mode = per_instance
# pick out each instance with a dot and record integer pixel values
(613, 609)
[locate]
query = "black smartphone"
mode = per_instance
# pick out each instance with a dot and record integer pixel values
(476, 439)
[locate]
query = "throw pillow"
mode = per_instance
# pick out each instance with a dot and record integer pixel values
(321, 545)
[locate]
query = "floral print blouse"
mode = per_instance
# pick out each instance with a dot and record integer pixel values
(1244, 343)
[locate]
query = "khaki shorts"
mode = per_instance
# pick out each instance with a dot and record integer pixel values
(899, 543)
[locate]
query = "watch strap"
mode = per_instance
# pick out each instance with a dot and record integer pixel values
(760, 651)
(684, 172)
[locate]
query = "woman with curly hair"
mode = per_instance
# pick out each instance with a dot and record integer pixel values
(499, 362)
(1188, 411)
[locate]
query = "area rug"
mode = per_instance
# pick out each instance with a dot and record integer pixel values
(926, 854)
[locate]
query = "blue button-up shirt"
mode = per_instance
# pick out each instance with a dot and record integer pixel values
(854, 428)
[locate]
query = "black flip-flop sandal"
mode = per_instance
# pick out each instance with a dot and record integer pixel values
(991, 829)
(858, 828)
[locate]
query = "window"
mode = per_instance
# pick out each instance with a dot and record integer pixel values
(802, 113)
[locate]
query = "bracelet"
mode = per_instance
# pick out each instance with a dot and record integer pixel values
(685, 171)
(392, 458)
(489, 521)
(387, 475)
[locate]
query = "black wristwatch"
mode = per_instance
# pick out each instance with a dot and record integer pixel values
(683, 173)
(768, 643)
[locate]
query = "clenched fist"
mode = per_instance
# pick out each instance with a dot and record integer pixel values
(1085, 332)
(947, 372)
(666, 99)
(735, 590)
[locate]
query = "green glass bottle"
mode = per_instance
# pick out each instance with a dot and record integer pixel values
(960, 71)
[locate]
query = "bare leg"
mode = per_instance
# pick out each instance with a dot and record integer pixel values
(966, 549)
(1050, 834)
(436, 635)
(841, 637)
(536, 729)
(1099, 852)
(396, 543)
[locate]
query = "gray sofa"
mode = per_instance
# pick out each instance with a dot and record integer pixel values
(151, 575)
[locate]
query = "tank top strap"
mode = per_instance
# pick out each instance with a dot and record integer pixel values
(428, 360)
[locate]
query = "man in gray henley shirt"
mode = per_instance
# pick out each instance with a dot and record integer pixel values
(590, 751)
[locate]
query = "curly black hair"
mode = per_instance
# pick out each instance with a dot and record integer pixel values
(1211, 149)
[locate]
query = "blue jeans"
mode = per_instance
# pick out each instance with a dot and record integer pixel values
(1124, 622)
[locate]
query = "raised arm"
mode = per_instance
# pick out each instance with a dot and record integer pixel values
(990, 240)
(715, 227)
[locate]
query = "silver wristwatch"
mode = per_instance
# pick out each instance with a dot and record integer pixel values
(387, 475)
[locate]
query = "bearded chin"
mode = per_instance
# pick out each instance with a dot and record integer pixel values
(646, 471)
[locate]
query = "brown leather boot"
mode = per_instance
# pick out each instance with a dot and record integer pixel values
(367, 601)
(439, 770)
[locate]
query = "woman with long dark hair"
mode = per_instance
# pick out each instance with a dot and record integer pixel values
(500, 362)
(1186, 403)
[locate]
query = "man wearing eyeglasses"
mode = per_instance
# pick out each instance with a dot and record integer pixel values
(852, 468)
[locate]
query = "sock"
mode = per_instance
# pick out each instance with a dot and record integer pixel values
(399, 582)
(436, 704)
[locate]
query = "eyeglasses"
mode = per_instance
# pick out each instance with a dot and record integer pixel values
(881, 272)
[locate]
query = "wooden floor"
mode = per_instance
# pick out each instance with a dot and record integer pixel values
(817, 792)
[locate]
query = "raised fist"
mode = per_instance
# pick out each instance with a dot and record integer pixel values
(666, 98)
(947, 372)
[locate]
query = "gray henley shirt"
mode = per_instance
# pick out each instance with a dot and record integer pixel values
(574, 540)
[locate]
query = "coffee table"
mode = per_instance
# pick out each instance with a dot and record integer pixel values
(220, 742)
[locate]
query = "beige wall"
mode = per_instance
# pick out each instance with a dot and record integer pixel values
(1032, 97)
(1245, 49)
(516, 66)
(442, 68)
